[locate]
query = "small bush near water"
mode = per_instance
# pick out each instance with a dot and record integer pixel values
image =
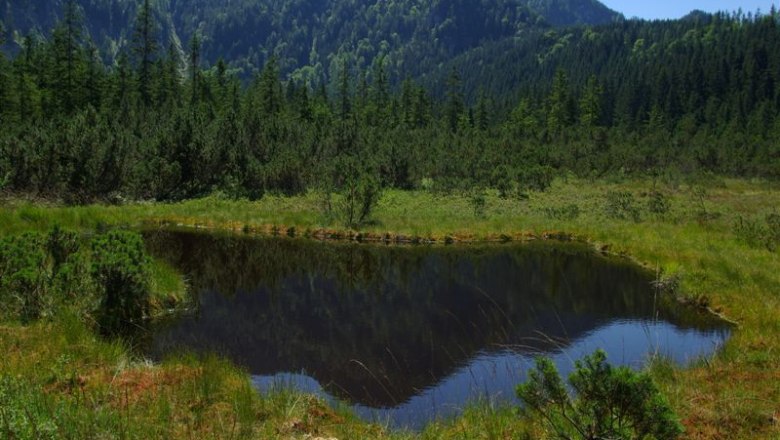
(37, 272)
(41, 273)
(610, 403)
(360, 190)
(121, 270)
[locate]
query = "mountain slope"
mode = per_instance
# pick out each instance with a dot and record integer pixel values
(573, 12)
(312, 37)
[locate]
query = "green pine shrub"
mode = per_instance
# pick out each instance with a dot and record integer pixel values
(121, 270)
(609, 402)
(24, 277)
(622, 205)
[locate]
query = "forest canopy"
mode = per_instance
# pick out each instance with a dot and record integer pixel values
(676, 97)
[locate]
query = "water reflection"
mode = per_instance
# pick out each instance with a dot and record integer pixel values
(407, 334)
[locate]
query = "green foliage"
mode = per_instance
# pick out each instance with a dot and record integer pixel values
(749, 231)
(502, 181)
(24, 276)
(60, 245)
(38, 273)
(658, 203)
(535, 178)
(120, 268)
(758, 234)
(773, 231)
(567, 212)
(359, 190)
(76, 130)
(699, 196)
(609, 402)
(478, 202)
(622, 205)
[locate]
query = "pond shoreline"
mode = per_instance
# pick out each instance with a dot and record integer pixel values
(397, 239)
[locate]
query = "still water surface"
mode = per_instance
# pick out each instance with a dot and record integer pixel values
(405, 335)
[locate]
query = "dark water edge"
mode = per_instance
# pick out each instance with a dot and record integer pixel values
(406, 335)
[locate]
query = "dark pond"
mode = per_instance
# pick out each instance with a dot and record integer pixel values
(408, 334)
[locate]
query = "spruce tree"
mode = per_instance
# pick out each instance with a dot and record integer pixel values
(145, 50)
(380, 91)
(455, 106)
(590, 104)
(344, 96)
(559, 110)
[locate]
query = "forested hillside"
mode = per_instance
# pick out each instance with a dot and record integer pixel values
(672, 98)
(310, 37)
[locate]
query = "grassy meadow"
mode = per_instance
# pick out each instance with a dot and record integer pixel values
(710, 243)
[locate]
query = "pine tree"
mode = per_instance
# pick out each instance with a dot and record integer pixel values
(522, 121)
(482, 116)
(344, 96)
(145, 50)
(25, 84)
(422, 108)
(590, 104)
(270, 89)
(455, 107)
(380, 91)
(121, 87)
(173, 76)
(407, 103)
(559, 112)
(5, 103)
(194, 68)
(94, 79)
(305, 111)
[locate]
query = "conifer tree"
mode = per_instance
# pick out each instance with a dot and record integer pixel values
(559, 113)
(483, 113)
(422, 108)
(380, 91)
(455, 106)
(344, 94)
(590, 104)
(194, 68)
(145, 50)
(270, 88)
(5, 104)
(407, 103)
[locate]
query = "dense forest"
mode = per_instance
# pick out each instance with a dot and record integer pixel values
(663, 97)
(310, 37)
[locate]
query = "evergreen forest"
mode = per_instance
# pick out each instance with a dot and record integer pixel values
(700, 94)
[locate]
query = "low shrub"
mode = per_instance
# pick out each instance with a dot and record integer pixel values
(658, 203)
(758, 234)
(773, 231)
(535, 178)
(24, 277)
(609, 402)
(121, 271)
(38, 272)
(478, 202)
(360, 189)
(622, 205)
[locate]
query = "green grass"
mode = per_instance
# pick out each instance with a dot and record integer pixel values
(734, 394)
(168, 288)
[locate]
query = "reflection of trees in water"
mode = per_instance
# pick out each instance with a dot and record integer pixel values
(378, 324)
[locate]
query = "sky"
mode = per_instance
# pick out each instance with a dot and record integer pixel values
(678, 8)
